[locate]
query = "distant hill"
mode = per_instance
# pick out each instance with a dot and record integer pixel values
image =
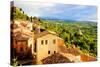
(65, 20)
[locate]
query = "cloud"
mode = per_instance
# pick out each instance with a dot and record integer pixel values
(31, 3)
(34, 8)
(92, 17)
(87, 14)
(61, 11)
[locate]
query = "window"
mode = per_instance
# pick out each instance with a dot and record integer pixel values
(54, 41)
(42, 42)
(54, 52)
(46, 41)
(16, 42)
(48, 52)
(21, 48)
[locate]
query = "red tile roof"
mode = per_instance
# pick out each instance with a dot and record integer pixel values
(86, 58)
(55, 58)
(43, 33)
(20, 37)
(73, 51)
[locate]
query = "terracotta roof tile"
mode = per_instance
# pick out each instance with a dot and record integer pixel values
(20, 37)
(86, 58)
(55, 58)
(42, 34)
(73, 51)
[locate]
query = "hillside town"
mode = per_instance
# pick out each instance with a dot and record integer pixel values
(32, 43)
(40, 46)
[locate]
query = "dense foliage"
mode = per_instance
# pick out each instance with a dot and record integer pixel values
(19, 14)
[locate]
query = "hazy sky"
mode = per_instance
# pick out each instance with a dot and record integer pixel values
(56, 10)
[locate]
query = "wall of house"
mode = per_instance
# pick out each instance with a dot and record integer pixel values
(46, 49)
(31, 44)
(13, 44)
(20, 46)
(60, 42)
(30, 26)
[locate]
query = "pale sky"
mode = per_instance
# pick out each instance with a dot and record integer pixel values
(59, 11)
